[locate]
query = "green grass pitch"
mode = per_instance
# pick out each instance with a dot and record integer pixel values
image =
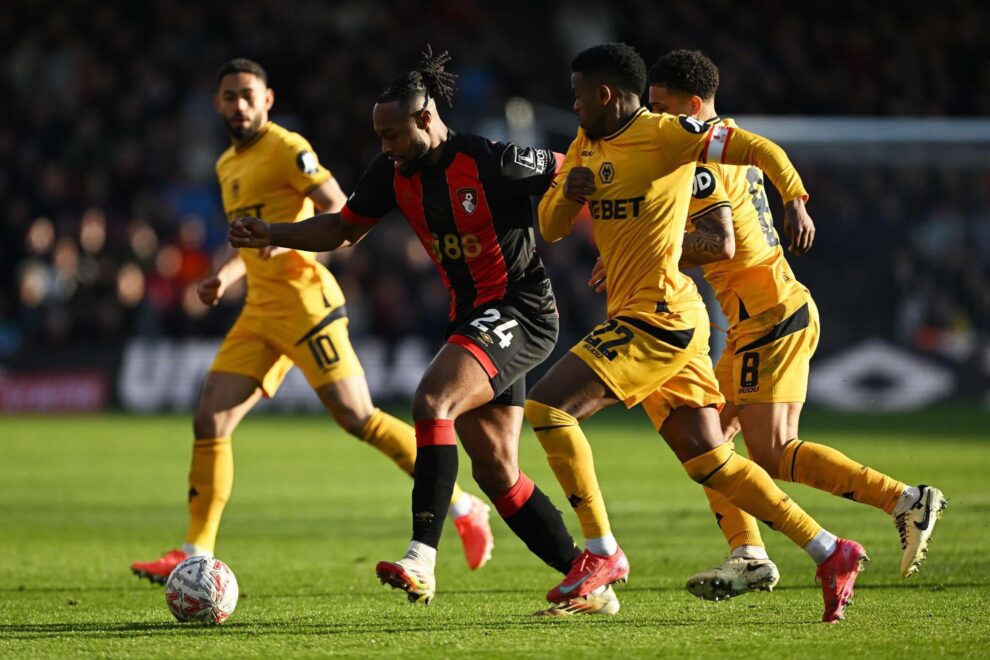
(313, 510)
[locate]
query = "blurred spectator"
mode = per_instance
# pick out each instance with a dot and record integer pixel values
(109, 210)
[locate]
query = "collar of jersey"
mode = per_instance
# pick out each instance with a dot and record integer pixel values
(619, 131)
(714, 120)
(262, 132)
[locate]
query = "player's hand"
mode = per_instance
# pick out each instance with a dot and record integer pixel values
(798, 226)
(210, 289)
(248, 232)
(597, 281)
(580, 183)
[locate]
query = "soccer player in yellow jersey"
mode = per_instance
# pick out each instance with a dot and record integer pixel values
(294, 314)
(773, 332)
(635, 170)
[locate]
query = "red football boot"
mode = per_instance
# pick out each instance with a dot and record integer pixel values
(476, 534)
(837, 575)
(158, 571)
(589, 572)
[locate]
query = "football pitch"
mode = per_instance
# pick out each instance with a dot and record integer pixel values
(313, 510)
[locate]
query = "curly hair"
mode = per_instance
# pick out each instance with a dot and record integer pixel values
(687, 71)
(616, 63)
(428, 79)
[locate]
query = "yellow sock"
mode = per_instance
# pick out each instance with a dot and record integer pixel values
(749, 487)
(570, 458)
(211, 478)
(738, 527)
(830, 470)
(397, 440)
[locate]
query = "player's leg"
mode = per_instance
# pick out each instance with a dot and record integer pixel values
(327, 358)
(748, 567)
(224, 400)
(245, 367)
(569, 393)
(490, 436)
(454, 383)
(777, 375)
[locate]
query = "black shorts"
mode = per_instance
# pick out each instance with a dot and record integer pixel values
(508, 339)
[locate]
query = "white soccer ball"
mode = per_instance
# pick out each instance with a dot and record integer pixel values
(201, 589)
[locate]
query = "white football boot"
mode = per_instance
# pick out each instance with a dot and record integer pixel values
(601, 601)
(915, 526)
(733, 577)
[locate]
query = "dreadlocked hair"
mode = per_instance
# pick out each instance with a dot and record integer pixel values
(428, 79)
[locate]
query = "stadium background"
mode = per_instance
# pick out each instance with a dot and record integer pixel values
(110, 212)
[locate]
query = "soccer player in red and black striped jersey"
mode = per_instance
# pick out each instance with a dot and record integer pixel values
(468, 200)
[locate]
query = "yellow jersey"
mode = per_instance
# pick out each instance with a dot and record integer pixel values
(270, 177)
(758, 276)
(644, 174)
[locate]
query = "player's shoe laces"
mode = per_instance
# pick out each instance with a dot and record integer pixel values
(915, 527)
(602, 601)
(158, 571)
(733, 577)
(476, 534)
(411, 576)
(589, 572)
(837, 575)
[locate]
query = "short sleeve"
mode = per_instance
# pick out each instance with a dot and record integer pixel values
(707, 191)
(305, 171)
(526, 170)
(374, 195)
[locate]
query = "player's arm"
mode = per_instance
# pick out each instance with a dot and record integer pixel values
(212, 287)
(328, 197)
(321, 233)
(373, 198)
(567, 194)
(713, 239)
(735, 146)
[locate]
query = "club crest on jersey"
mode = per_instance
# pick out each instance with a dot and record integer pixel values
(606, 172)
(468, 197)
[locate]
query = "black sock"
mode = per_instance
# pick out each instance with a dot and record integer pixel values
(433, 479)
(532, 516)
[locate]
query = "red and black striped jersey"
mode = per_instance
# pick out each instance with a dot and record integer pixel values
(472, 211)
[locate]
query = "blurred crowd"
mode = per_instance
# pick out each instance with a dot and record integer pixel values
(110, 212)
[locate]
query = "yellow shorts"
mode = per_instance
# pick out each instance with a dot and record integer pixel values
(766, 356)
(265, 347)
(642, 362)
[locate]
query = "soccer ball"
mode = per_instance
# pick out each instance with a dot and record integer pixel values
(201, 589)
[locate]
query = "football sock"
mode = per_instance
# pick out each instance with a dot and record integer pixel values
(830, 470)
(605, 546)
(531, 515)
(397, 440)
(211, 479)
(422, 554)
(570, 458)
(392, 437)
(433, 479)
(459, 506)
(750, 552)
(907, 500)
(738, 527)
(822, 546)
(194, 551)
(749, 487)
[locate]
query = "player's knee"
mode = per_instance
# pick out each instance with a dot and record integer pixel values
(209, 423)
(731, 429)
(431, 404)
(351, 420)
